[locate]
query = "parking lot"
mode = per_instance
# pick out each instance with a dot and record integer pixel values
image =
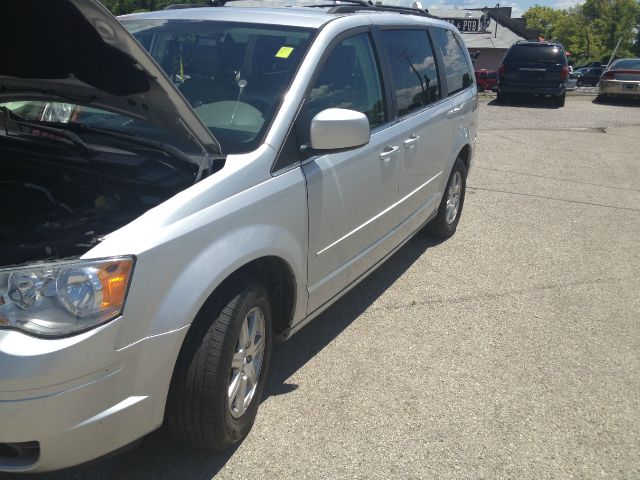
(511, 350)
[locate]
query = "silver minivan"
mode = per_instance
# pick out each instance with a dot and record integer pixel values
(181, 188)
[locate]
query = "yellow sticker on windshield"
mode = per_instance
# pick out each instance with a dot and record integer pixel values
(284, 52)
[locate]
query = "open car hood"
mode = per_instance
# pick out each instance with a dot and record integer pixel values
(76, 51)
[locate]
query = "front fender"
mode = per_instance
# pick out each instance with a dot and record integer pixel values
(196, 280)
(180, 264)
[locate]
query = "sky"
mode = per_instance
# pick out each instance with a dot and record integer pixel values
(518, 6)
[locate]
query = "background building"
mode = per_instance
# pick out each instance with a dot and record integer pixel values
(490, 31)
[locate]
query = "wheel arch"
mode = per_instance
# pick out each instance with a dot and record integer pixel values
(465, 155)
(278, 278)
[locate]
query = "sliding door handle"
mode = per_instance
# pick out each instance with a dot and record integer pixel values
(388, 152)
(411, 141)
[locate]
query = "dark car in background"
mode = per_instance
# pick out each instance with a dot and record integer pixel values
(533, 68)
(486, 79)
(588, 76)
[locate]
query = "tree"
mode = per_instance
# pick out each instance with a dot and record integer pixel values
(636, 43)
(122, 7)
(591, 31)
(613, 20)
(544, 19)
(578, 35)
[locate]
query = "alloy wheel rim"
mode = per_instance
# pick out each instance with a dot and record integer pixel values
(246, 363)
(454, 194)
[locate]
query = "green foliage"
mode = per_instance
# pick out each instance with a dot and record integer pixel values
(122, 7)
(544, 19)
(590, 31)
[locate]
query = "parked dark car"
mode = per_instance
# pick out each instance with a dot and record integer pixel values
(533, 68)
(486, 79)
(588, 77)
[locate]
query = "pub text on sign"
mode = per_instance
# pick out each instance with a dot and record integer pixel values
(471, 25)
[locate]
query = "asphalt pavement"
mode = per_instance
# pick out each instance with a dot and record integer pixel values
(511, 350)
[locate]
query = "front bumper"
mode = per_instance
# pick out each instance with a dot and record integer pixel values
(619, 87)
(554, 91)
(75, 399)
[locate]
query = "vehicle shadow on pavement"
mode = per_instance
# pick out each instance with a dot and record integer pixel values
(528, 102)
(158, 455)
(290, 356)
(617, 102)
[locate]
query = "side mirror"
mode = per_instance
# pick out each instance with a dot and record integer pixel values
(339, 129)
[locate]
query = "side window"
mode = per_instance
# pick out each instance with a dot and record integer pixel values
(350, 78)
(456, 68)
(414, 68)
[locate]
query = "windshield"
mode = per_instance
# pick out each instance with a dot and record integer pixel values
(234, 75)
(627, 64)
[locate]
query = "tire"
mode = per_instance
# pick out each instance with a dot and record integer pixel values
(448, 216)
(219, 350)
(580, 83)
(560, 100)
(501, 97)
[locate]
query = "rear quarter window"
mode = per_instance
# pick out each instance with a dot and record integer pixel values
(456, 67)
(627, 64)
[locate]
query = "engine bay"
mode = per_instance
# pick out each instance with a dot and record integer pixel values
(57, 202)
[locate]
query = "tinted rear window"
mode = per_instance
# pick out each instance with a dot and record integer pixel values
(627, 64)
(540, 54)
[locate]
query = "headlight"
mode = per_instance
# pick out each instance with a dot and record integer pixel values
(62, 298)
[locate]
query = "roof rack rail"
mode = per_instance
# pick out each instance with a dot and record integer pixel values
(334, 7)
(378, 7)
(178, 6)
(209, 3)
(336, 4)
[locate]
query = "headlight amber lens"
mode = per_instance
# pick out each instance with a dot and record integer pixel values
(63, 298)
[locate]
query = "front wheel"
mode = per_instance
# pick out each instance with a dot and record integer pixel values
(221, 371)
(450, 209)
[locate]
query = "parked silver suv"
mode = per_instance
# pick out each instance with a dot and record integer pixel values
(180, 188)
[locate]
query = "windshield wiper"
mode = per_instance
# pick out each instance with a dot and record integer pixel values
(12, 118)
(205, 166)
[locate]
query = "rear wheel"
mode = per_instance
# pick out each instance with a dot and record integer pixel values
(221, 372)
(448, 216)
(560, 100)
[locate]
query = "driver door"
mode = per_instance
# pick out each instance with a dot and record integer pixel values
(350, 194)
